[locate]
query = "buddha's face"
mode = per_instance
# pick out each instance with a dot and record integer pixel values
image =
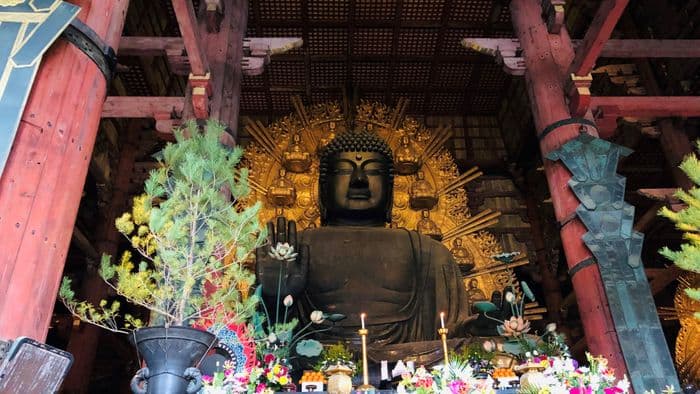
(358, 188)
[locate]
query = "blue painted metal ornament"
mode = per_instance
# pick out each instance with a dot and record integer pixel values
(27, 30)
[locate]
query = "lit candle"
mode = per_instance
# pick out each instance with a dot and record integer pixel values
(362, 319)
(442, 319)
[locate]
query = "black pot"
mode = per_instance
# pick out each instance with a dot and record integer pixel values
(170, 355)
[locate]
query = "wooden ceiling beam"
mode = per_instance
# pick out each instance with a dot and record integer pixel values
(141, 107)
(651, 49)
(187, 21)
(609, 13)
(611, 49)
(645, 106)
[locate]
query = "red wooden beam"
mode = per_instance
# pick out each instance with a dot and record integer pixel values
(141, 107)
(149, 46)
(647, 106)
(598, 33)
(651, 48)
(508, 47)
(187, 21)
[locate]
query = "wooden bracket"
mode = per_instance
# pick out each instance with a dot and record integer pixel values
(553, 11)
(579, 92)
(505, 51)
(257, 52)
(201, 91)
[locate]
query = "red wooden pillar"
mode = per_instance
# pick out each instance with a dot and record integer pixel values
(547, 59)
(41, 186)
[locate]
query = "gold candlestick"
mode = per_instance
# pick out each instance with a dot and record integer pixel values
(443, 335)
(366, 387)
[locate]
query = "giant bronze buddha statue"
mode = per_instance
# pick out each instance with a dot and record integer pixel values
(353, 263)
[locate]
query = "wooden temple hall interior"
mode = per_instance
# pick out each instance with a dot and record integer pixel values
(506, 119)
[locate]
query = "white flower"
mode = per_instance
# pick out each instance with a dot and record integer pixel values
(624, 384)
(535, 353)
(272, 338)
(489, 346)
(288, 301)
(510, 297)
(283, 252)
(317, 317)
(551, 327)
(528, 354)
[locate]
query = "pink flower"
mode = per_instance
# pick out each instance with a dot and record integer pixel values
(612, 390)
(269, 358)
(458, 387)
(426, 382)
(207, 379)
(260, 387)
(580, 390)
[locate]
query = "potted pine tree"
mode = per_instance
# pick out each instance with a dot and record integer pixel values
(192, 237)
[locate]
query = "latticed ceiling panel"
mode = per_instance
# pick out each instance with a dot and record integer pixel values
(441, 102)
(327, 41)
(288, 74)
(412, 75)
(370, 75)
(368, 41)
(492, 77)
(417, 42)
(328, 75)
(387, 49)
(375, 9)
(452, 75)
(471, 11)
(329, 10)
(422, 10)
(280, 9)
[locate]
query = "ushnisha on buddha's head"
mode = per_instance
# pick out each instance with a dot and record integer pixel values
(356, 180)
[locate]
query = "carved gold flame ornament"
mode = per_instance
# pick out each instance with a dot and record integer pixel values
(429, 194)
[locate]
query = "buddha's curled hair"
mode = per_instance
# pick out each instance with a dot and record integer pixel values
(355, 141)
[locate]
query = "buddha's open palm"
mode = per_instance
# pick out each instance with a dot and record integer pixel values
(282, 277)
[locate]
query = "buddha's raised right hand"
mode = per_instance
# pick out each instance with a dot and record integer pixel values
(279, 276)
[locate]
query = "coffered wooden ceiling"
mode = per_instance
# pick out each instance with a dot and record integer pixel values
(386, 48)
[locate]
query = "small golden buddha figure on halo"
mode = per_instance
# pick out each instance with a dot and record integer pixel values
(296, 158)
(328, 137)
(462, 256)
(422, 194)
(474, 293)
(407, 160)
(427, 226)
(282, 191)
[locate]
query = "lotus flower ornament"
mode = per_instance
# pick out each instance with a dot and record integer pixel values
(514, 327)
(283, 252)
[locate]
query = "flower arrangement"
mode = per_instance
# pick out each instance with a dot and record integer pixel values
(563, 375)
(337, 354)
(269, 376)
(191, 237)
(457, 378)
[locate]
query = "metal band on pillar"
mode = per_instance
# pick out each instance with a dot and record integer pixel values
(564, 122)
(581, 265)
(85, 39)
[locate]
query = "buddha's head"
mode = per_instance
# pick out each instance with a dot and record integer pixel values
(356, 180)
